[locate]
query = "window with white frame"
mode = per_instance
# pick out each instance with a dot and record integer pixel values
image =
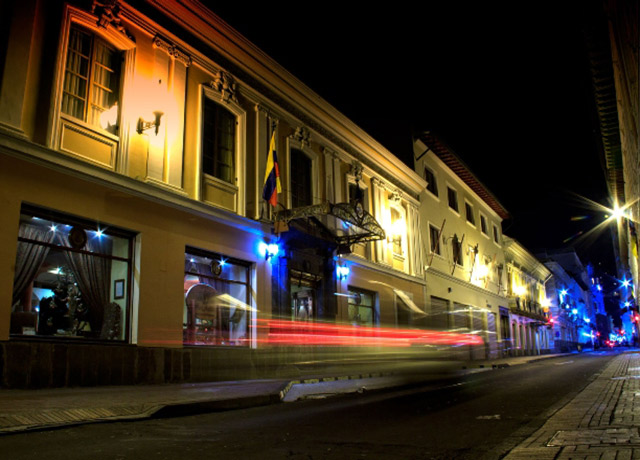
(452, 199)
(218, 141)
(434, 239)
(468, 209)
(91, 87)
(496, 234)
(483, 225)
(432, 185)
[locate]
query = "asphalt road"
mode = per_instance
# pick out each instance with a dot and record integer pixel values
(481, 415)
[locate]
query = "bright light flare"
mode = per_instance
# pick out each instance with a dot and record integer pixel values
(286, 332)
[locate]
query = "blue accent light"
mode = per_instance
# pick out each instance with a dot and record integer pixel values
(574, 311)
(222, 263)
(342, 271)
(268, 250)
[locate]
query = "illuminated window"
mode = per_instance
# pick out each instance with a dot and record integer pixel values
(361, 307)
(72, 279)
(434, 239)
(217, 293)
(432, 186)
(218, 141)
(452, 197)
(469, 213)
(301, 179)
(92, 78)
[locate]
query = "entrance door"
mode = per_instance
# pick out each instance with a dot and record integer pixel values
(304, 295)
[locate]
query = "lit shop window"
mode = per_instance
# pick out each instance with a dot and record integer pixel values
(217, 307)
(361, 307)
(72, 278)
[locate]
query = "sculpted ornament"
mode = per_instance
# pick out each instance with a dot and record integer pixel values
(108, 12)
(226, 86)
(303, 136)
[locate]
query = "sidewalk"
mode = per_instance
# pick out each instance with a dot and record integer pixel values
(25, 410)
(601, 423)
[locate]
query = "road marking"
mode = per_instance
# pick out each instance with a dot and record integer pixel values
(488, 417)
(563, 362)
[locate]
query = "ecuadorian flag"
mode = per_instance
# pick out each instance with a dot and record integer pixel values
(272, 184)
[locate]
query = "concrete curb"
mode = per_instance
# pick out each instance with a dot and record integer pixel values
(48, 419)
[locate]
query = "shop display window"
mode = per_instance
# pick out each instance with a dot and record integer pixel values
(72, 278)
(361, 307)
(217, 309)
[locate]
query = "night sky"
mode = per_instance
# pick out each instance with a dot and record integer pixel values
(506, 85)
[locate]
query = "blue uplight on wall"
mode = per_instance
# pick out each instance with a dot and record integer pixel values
(268, 250)
(342, 272)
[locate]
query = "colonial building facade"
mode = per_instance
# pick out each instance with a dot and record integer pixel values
(529, 305)
(463, 248)
(136, 245)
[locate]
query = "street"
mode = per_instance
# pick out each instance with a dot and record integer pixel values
(479, 415)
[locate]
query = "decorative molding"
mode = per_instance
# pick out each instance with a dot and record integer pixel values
(172, 50)
(225, 84)
(382, 185)
(302, 135)
(330, 153)
(108, 14)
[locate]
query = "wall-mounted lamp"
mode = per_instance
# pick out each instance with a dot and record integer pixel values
(342, 271)
(144, 125)
(268, 250)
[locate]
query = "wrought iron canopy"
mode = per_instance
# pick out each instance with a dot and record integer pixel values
(348, 223)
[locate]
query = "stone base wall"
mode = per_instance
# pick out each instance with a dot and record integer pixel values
(25, 364)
